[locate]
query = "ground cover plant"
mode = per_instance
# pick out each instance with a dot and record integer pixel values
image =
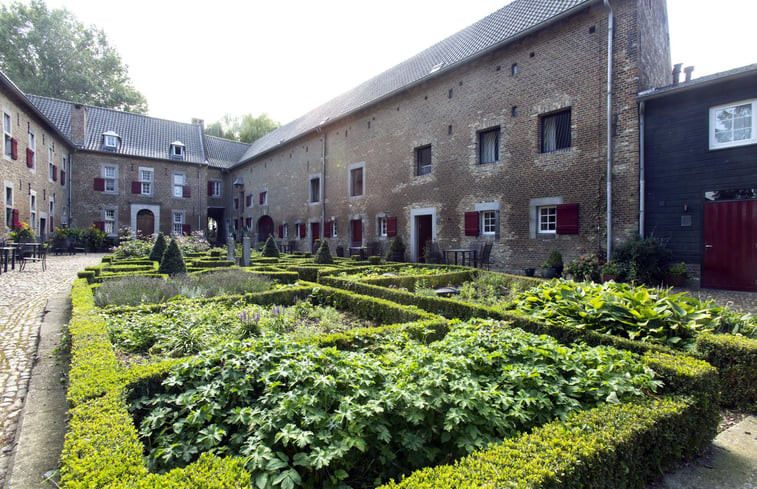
(373, 272)
(133, 291)
(637, 313)
(491, 289)
(189, 327)
(306, 416)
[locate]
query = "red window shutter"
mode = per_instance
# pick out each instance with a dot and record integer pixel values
(262, 198)
(211, 187)
(186, 192)
(14, 148)
(471, 223)
(63, 178)
(567, 219)
(55, 173)
(391, 226)
(248, 200)
(29, 158)
(327, 229)
(52, 224)
(186, 229)
(281, 230)
(303, 230)
(15, 219)
(99, 184)
(100, 225)
(136, 187)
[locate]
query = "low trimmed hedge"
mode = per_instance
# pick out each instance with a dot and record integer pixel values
(211, 263)
(409, 282)
(736, 360)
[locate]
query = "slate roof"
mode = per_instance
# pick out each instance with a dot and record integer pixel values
(699, 82)
(495, 30)
(223, 153)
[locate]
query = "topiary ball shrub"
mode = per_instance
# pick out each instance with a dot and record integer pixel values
(271, 249)
(323, 256)
(159, 248)
(172, 262)
(374, 260)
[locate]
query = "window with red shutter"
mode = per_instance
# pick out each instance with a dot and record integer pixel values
(136, 187)
(211, 187)
(186, 192)
(471, 223)
(99, 185)
(186, 229)
(55, 173)
(303, 230)
(15, 218)
(29, 158)
(14, 148)
(99, 225)
(327, 229)
(63, 178)
(391, 226)
(281, 230)
(567, 219)
(263, 197)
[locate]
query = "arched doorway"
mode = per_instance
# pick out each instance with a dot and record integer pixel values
(145, 223)
(265, 227)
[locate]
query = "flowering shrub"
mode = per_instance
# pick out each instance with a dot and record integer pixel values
(194, 243)
(22, 232)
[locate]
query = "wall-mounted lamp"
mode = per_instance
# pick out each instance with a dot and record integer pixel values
(238, 183)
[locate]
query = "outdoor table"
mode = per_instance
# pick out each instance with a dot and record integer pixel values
(460, 251)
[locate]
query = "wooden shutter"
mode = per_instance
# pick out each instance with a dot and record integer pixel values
(567, 219)
(211, 187)
(55, 173)
(186, 192)
(29, 158)
(281, 230)
(136, 187)
(99, 225)
(303, 230)
(99, 184)
(261, 198)
(471, 223)
(15, 219)
(63, 178)
(391, 226)
(52, 224)
(186, 229)
(14, 148)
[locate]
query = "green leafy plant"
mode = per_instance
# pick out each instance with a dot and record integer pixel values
(158, 248)
(643, 261)
(678, 269)
(22, 232)
(323, 256)
(270, 249)
(396, 250)
(172, 262)
(611, 268)
(554, 260)
(585, 267)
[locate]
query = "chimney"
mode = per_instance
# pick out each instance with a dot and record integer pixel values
(79, 124)
(676, 72)
(199, 122)
(688, 71)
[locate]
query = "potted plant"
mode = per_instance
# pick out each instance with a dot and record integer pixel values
(22, 233)
(585, 267)
(553, 266)
(676, 275)
(610, 271)
(396, 250)
(529, 272)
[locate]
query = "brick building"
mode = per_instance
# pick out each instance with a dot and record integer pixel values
(497, 134)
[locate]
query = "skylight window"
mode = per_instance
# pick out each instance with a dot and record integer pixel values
(436, 67)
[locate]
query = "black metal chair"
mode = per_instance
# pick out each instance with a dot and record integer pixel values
(486, 252)
(32, 253)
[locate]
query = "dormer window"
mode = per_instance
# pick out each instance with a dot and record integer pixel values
(110, 141)
(177, 150)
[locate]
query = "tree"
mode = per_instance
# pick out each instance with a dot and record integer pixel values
(158, 248)
(324, 254)
(172, 262)
(270, 249)
(246, 128)
(50, 53)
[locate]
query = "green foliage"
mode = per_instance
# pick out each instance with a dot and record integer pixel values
(374, 260)
(554, 260)
(396, 248)
(246, 128)
(270, 249)
(678, 269)
(323, 256)
(158, 248)
(133, 248)
(132, 291)
(194, 243)
(735, 357)
(492, 289)
(51, 53)
(172, 262)
(585, 267)
(642, 261)
(637, 313)
(307, 413)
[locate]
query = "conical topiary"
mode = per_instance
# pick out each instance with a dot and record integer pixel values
(323, 255)
(270, 248)
(172, 262)
(158, 248)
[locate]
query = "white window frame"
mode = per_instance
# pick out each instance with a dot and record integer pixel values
(381, 226)
(110, 141)
(484, 208)
(62, 169)
(488, 223)
(110, 179)
(110, 220)
(8, 204)
(50, 164)
(7, 134)
(146, 184)
(178, 150)
(284, 230)
(51, 209)
(251, 198)
(178, 219)
(714, 144)
(177, 187)
(350, 190)
(265, 196)
(216, 188)
(33, 147)
(314, 199)
(547, 219)
(33, 211)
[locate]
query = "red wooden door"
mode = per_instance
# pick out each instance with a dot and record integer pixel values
(356, 226)
(730, 245)
(145, 223)
(423, 233)
(315, 233)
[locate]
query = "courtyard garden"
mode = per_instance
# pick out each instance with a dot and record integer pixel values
(291, 373)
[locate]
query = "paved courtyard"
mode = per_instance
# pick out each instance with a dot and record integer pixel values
(23, 299)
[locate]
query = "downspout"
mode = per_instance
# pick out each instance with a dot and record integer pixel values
(323, 183)
(70, 211)
(610, 29)
(642, 180)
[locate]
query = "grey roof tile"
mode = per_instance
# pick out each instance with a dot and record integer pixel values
(496, 29)
(223, 153)
(748, 70)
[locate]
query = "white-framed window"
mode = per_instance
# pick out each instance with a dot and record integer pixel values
(63, 171)
(33, 210)
(8, 204)
(315, 189)
(488, 146)
(489, 222)
(110, 175)
(263, 197)
(733, 124)
(177, 150)
(178, 222)
(110, 141)
(381, 226)
(284, 230)
(51, 214)
(146, 177)
(215, 188)
(109, 219)
(7, 135)
(356, 182)
(33, 148)
(50, 164)
(547, 219)
(179, 180)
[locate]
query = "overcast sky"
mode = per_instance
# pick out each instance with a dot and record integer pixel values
(204, 59)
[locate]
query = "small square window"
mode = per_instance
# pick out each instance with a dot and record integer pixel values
(489, 222)
(110, 141)
(548, 219)
(488, 146)
(423, 160)
(177, 150)
(555, 131)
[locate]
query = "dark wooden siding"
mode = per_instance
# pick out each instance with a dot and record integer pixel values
(680, 167)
